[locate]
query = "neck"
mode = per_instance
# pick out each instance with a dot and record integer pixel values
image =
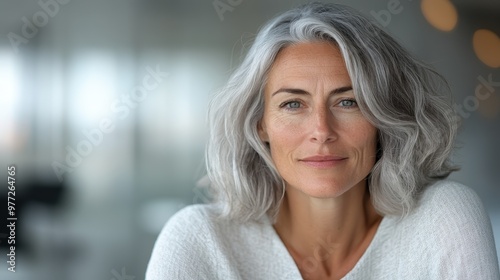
(335, 229)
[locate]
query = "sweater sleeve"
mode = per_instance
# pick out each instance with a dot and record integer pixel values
(463, 235)
(183, 249)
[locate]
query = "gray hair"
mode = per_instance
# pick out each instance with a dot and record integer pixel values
(407, 101)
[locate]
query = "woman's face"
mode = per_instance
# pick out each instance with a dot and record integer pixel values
(320, 142)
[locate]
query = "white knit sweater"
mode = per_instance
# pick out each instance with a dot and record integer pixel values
(448, 236)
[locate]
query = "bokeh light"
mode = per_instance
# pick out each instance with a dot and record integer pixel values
(441, 14)
(487, 47)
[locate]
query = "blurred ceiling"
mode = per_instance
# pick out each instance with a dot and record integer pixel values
(13, 10)
(181, 11)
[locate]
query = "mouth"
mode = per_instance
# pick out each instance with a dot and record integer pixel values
(323, 161)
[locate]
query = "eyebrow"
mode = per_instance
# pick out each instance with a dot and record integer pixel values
(301, 91)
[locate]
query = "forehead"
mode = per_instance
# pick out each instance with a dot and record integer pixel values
(308, 61)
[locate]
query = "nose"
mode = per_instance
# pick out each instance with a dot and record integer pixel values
(323, 126)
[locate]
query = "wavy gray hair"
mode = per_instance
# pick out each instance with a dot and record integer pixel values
(407, 101)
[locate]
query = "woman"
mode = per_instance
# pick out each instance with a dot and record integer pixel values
(327, 154)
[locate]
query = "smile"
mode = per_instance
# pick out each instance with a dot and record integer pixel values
(323, 161)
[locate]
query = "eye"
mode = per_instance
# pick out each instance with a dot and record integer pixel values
(348, 103)
(291, 105)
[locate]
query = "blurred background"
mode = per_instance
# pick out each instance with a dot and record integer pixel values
(103, 104)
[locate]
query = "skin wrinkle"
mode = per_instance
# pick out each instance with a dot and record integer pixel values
(326, 214)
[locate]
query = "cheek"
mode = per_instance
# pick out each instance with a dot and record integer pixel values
(281, 129)
(284, 137)
(369, 137)
(367, 142)
(360, 134)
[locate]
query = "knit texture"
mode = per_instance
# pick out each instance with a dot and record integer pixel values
(448, 236)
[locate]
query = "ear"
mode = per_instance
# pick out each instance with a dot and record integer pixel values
(261, 128)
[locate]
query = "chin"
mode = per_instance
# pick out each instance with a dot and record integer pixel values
(319, 189)
(324, 190)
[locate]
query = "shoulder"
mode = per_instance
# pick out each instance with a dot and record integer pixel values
(187, 246)
(191, 223)
(451, 225)
(450, 198)
(451, 189)
(447, 205)
(189, 218)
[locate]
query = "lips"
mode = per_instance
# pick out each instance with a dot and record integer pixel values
(323, 161)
